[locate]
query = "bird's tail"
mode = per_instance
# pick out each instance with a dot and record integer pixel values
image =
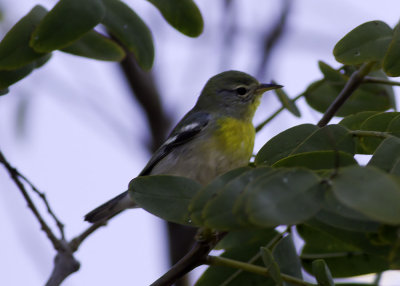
(110, 208)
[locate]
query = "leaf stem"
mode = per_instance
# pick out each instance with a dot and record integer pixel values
(223, 261)
(367, 133)
(276, 113)
(352, 84)
(370, 79)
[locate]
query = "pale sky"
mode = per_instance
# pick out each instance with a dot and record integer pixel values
(82, 143)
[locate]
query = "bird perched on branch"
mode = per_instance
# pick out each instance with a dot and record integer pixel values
(216, 136)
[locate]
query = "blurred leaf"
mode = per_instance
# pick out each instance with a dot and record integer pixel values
(286, 257)
(369, 191)
(65, 23)
(289, 197)
(238, 238)
(7, 78)
(368, 97)
(218, 211)
(96, 46)
(341, 250)
(318, 160)
(129, 28)
(286, 102)
(387, 155)
(283, 144)
(354, 121)
(367, 42)
(271, 265)
(15, 51)
(183, 15)
(157, 195)
(391, 62)
(377, 122)
(331, 74)
(4, 91)
(206, 193)
(322, 273)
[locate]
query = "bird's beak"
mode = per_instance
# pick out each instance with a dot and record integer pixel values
(263, 87)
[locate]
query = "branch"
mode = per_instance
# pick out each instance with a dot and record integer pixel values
(365, 133)
(15, 176)
(195, 257)
(370, 79)
(352, 84)
(223, 261)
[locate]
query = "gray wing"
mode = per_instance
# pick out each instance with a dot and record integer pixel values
(187, 129)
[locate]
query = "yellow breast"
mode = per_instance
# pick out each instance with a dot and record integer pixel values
(235, 137)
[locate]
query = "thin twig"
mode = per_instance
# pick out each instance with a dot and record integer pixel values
(367, 133)
(14, 174)
(223, 261)
(42, 195)
(77, 241)
(352, 84)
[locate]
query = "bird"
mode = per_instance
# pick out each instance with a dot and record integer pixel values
(214, 137)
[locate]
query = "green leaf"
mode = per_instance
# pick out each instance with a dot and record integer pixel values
(378, 122)
(15, 51)
(218, 211)
(283, 144)
(286, 102)
(367, 42)
(271, 265)
(354, 121)
(7, 78)
(387, 155)
(318, 160)
(341, 250)
(65, 23)
(4, 91)
(129, 28)
(331, 74)
(289, 197)
(369, 191)
(165, 196)
(322, 273)
(286, 257)
(241, 237)
(391, 61)
(368, 97)
(183, 15)
(206, 193)
(96, 46)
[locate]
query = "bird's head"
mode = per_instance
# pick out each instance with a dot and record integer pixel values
(233, 93)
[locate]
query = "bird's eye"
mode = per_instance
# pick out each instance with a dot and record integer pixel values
(241, 90)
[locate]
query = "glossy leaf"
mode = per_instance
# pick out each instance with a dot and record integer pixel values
(387, 155)
(378, 122)
(15, 51)
(331, 74)
(165, 196)
(218, 211)
(238, 238)
(96, 46)
(8, 78)
(271, 265)
(391, 62)
(318, 160)
(283, 144)
(68, 21)
(354, 121)
(367, 42)
(288, 198)
(183, 15)
(369, 191)
(206, 193)
(286, 102)
(129, 28)
(322, 273)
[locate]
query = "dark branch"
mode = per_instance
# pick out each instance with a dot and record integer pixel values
(352, 84)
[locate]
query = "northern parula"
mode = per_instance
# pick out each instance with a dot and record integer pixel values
(215, 136)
